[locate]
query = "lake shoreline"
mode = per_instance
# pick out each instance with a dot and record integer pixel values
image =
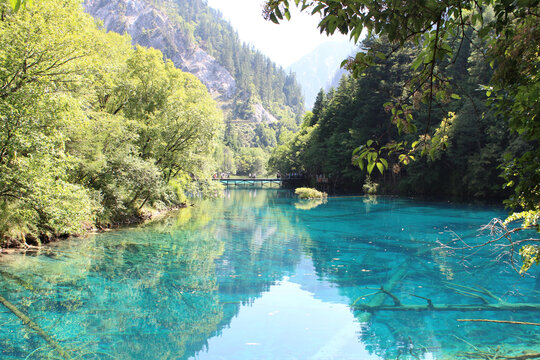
(31, 243)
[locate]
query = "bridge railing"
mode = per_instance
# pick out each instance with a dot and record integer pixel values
(260, 181)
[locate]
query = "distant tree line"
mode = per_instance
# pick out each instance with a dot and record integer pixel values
(248, 66)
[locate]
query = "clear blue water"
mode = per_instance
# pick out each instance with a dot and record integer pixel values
(261, 275)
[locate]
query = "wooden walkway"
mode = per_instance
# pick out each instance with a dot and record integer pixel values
(261, 181)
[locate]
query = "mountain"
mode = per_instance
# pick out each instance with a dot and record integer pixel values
(317, 69)
(334, 81)
(149, 27)
(253, 92)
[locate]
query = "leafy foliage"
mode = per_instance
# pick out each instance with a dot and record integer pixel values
(530, 255)
(91, 129)
(506, 31)
(251, 161)
(369, 186)
(309, 193)
(503, 33)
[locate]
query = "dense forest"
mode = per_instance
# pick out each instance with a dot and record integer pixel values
(461, 96)
(249, 135)
(93, 130)
(478, 140)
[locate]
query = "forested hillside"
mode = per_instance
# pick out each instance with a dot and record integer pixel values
(260, 101)
(250, 127)
(93, 131)
(468, 166)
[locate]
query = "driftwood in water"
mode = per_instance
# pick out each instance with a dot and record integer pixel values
(479, 293)
(28, 322)
(501, 321)
(497, 355)
(448, 307)
(379, 298)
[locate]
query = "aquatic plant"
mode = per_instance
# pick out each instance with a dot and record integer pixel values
(309, 193)
(369, 186)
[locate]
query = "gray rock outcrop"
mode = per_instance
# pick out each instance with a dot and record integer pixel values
(262, 115)
(150, 27)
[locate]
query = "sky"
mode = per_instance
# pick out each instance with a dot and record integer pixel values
(284, 43)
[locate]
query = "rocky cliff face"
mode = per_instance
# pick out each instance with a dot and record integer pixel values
(262, 115)
(150, 27)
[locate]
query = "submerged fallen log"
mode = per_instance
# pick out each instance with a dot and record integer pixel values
(379, 298)
(487, 355)
(448, 307)
(500, 321)
(32, 325)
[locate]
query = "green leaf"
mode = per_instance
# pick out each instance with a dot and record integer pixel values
(380, 166)
(287, 14)
(278, 13)
(15, 4)
(455, 96)
(369, 142)
(370, 167)
(429, 58)
(446, 48)
(483, 32)
(317, 9)
(399, 126)
(384, 162)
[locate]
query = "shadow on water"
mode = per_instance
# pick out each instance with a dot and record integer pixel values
(259, 274)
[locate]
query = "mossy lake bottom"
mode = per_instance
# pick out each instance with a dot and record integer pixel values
(260, 274)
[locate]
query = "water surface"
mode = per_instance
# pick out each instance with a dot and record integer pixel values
(261, 275)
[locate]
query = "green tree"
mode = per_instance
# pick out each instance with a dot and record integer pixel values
(91, 129)
(435, 27)
(46, 49)
(251, 161)
(318, 106)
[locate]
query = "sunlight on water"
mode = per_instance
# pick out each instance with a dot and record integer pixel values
(260, 275)
(290, 322)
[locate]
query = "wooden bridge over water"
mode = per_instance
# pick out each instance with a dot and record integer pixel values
(283, 182)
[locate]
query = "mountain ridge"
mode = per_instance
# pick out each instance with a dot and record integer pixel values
(198, 40)
(316, 70)
(150, 27)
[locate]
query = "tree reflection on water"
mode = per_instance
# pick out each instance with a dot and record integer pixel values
(164, 289)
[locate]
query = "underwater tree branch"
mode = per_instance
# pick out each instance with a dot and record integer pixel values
(501, 321)
(31, 324)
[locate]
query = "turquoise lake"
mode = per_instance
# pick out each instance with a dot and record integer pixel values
(262, 275)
